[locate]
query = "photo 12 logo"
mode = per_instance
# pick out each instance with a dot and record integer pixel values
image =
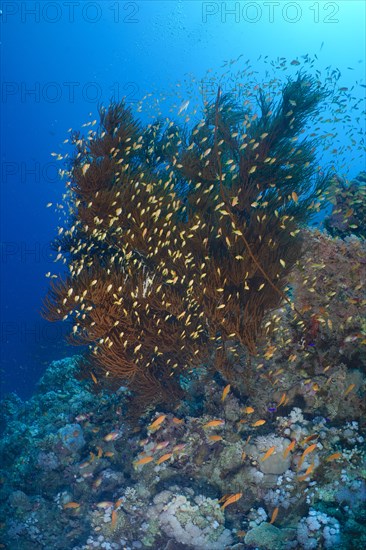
(270, 12)
(68, 91)
(69, 11)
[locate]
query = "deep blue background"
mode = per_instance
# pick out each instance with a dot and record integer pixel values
(76, 56)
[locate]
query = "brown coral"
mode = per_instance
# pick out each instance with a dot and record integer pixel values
(181, 243)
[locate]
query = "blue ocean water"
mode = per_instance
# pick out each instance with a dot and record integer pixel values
(73, 461)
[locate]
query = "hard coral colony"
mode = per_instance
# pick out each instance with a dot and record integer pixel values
(236, 354)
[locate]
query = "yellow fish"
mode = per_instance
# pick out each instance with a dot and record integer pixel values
(215, 437)
(248, 410)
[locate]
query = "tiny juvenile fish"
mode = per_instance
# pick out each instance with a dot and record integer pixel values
(268, 453)
(183, 107)
(214, 423)
(231, 499)
(85, 168)
(225, 392)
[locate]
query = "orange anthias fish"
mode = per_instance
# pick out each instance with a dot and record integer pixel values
(289, 448)
(334, 456)
(105, 504)
(155, 425)
(310, 438)
(274, 516)
(282, 400)
(164, 458)
(248, 410)
(307, 451)
(307, 473)
(71, 505)
(349, 389)
(268, 453)
(143, 461)
(215, 437)
(258, 423)
(225, 392)
(114, 519)
(214, 423)
(231, 499)
(112, 436)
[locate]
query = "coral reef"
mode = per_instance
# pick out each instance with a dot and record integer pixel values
(348, 215)
(236, 355)
(180, 241)
(199, 526)
(166, 484)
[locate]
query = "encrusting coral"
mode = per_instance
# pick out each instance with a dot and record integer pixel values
(181, 240)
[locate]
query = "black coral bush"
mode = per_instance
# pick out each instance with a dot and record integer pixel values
(181, 239)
